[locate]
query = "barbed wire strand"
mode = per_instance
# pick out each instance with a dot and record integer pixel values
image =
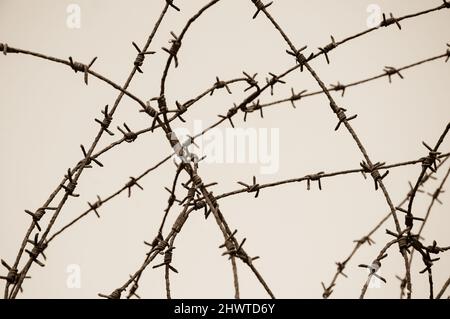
(434, 199)
(238, 191)
(343, 87)
(366, 239)
(340, 113)
(234, 248)
(77, 175)
(413, 240)
(176, 44)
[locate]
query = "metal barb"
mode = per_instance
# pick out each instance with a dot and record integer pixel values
(260, 7)
(140, 57)
(128, 134)
(70, 187)
(326, 49)
(106, 122)
(80, 67)
(170, 3)
(391, 20)
(390, 71)
(339, 87)
(173, 50)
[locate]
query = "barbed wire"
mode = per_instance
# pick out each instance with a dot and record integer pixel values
(199, 197)
(366, 239)
(405, 238)
(434, 198)
(17, 283)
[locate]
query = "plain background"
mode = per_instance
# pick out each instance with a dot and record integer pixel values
(47, 111)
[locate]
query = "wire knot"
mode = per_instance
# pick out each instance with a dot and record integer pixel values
(377, 177)
(409, 218)
(273, 80)
(96, 206)
(89, 159)
(340, 268)
(152, 112)
(251, 81)
(252, 108)
(220, 85)
(296, 97)
(403, 243)
(339, 87)
(7, 49)
(12, 276)
(132, 182)
(434, 249)
(129, 135)
(328, 48)
(80, 67)
(340, 112)
(252, 187)
(38, 249)
(390, 71)
(260, 6)
(199, 204)
(373, 170)
(234, 251)
(162, 103)
(374, 267)
(106, 122)
(435, 195)
(155, 241)
(196, 181)
(36, 216)
(162, 244)
(182, 108)
(170, 3)
(430, 160)
(391, 20)
(314, 177)
(176, 45)
(140, 57)
(228, 243)
(4, 48)
(168, 256)
(70, 187)
(231, 112)
(301, 59)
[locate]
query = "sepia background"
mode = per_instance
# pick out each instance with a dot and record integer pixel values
(46, 112)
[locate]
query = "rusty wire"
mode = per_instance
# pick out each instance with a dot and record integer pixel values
(199, 197)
